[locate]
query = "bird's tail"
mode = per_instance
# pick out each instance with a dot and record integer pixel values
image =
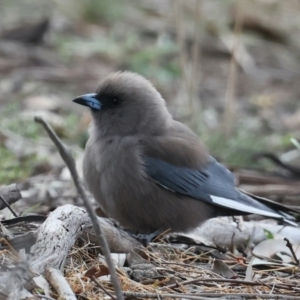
(265, 207)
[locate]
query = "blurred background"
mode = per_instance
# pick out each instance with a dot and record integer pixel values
(228, 69)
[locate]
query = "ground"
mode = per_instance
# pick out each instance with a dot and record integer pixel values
(228, 69)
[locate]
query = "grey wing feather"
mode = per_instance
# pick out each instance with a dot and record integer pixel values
(214, 185)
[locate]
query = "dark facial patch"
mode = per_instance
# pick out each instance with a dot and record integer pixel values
(109, 101)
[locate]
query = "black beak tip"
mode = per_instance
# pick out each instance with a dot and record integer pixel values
(78, 100)
(88, 100)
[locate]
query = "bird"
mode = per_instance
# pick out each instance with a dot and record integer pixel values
(152, 173)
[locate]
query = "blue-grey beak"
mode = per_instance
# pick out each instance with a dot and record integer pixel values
(89, 100)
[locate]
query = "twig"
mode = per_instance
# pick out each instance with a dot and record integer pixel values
(161, 235)
(152, 295)
(102, 288)
(205, 296)
(234, 281)
(68, 159)
(9, 207)
(290, 246)
(10, 194)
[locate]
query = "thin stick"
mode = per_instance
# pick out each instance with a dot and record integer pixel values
(9, 207)
(161, 296)
(10, 194)
(234, 281)
(290, 246)
(102, 288)
(68, 159)
(203, 296)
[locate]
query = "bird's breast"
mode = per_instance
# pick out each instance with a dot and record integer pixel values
(108, 166)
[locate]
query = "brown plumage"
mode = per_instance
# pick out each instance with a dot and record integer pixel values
(131, 124)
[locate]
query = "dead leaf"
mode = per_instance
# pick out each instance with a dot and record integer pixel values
(274, 252)
(96, 272)
(219, 267)
(268, 248)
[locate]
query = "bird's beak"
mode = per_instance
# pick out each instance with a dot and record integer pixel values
(89, 100)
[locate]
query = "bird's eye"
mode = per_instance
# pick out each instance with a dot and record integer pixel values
(115, 101)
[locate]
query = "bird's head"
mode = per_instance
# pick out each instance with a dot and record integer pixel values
(126, 103)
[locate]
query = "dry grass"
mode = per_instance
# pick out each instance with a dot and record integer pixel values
(181, 271)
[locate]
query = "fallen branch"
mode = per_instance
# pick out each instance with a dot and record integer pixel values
(60, 284)
(61, 229)
(68, 159)
(56, 236)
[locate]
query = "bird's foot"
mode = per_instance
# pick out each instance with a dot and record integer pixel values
(145, 239)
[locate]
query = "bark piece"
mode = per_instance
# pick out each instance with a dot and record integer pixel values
(60, 231)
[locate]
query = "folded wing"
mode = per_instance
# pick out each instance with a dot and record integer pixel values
(213, 184)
